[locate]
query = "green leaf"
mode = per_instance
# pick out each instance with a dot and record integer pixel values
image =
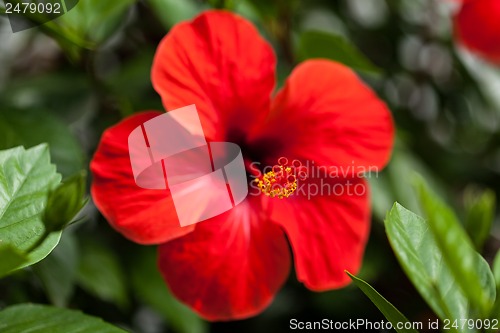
(470, 270)
(150, 288)
(65, 202)
(101, 274)
(35, 318)
(26, 176)
(171, 12)
(29, 127)
(319, 44)
(58, 271)
(10, 259)
(422, 261)
(480, 208)
(388, 310)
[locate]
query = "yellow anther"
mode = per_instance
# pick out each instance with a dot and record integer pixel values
(281, 182)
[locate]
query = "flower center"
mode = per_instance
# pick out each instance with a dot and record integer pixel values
(281, 181)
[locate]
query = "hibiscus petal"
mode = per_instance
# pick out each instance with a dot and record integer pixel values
(478, 28)
(142, 215)
(327, 224)
(220, 63)
(230, 267)
(326, 114)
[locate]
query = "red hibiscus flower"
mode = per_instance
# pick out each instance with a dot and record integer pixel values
(477, 26)
(232, 265)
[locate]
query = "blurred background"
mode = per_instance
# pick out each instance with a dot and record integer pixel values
(67, 81)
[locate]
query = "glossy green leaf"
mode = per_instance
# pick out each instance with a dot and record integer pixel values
(470, 270)
(150, 288)
(58, 271)
(422, 261)
(26, 176)
(35, 318)
(10, 259)
(388, 310)
(101, 274)
(319, 44)
(480, 209)
(29, 127)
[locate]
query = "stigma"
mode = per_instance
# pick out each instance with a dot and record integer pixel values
(282, 181)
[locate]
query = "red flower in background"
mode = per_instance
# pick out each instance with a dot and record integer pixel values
(231, 266)
(477, 26)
